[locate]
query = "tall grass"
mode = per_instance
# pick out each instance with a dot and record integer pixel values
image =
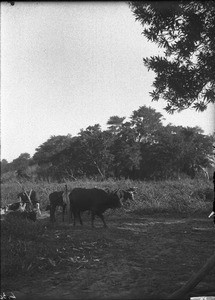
(174, 196)
(19, 244)
(178, 196)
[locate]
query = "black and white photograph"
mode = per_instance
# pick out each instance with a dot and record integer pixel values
(107, 150)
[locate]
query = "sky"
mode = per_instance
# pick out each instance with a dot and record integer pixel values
(69, 65)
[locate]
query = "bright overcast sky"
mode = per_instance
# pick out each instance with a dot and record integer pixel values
(70, 65)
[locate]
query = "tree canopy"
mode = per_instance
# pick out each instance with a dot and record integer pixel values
(185, 75)
(140, 148)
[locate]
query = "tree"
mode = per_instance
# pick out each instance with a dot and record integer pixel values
(95, 149)
(115, 123)
(145, 121)
(126, 152)
(185, 76)
(5, 166)
(45, 157)
(20, 163)
(124, 148)
(161, 159)
(196, 148)
(176, 150)
(52, 146)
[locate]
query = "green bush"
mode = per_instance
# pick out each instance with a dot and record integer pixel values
(177, 195)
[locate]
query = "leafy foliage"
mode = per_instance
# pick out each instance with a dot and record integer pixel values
(52, 146)
(4, 166)
(185, 76)
(145, 122)
(115, 123)
(176, 150)
(126, 152)
(140, 148)
(95, 148)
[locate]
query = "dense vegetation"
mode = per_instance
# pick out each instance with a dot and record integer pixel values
(185, 30)
(140, 148)
(167, 196)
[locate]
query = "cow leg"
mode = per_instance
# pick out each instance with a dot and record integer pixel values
(63, 212)
(71, 213)
(74, 217)
(79, 216)
(92, 218)
(100, 215)
(52, 214)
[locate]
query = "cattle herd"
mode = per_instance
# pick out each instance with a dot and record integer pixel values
(94, 200)
(27, 207)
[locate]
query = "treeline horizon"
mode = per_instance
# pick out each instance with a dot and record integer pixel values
(139, 149)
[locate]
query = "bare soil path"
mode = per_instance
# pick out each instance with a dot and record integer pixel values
(136, 257)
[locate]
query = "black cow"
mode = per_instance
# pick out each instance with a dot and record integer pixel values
(15, 206)
(95, 200)
(29, 196)
(24, 197)
(56, 199)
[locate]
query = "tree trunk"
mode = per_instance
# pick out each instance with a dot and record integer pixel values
(99, 170)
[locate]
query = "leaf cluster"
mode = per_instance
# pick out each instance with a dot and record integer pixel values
(185, 30)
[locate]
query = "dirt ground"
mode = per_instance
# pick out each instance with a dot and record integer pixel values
(136, 257)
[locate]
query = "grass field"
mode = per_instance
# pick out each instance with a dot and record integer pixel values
(148, 250)
(172, 196)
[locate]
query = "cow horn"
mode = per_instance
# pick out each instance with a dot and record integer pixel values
(30, 193)
(29, 196)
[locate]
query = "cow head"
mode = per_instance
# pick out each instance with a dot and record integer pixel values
(25, 197)
(125, 195)
(114, 200)
(29, 196)
(22, 206)
(132, 192)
